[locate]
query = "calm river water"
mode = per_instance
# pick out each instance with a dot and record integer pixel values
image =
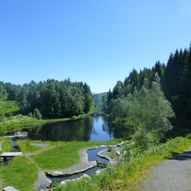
(89, 129)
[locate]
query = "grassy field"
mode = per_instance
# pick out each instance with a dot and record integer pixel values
(129, 174)
(22, 171)
(49, 159)
(8, 107)
(60, 155)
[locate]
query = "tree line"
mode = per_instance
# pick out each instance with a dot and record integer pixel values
(51, 98)
(177, 83)
(146, 103)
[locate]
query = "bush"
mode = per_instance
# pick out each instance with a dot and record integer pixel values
(30, 115)
(188, 136)
(37, 114)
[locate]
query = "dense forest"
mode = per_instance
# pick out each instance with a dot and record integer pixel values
(177, 83)
(149, 101)
(50, 99)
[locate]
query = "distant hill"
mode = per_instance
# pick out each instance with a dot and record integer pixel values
(98, 100)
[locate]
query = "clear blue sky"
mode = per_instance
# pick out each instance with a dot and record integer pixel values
(97, 41)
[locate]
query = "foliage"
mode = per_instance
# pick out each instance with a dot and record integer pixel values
(3, 92)
(8, 107)
(37, 114)
(134, 82)
(176, 83)
(52, 98)
(98, 100)
(144, 114)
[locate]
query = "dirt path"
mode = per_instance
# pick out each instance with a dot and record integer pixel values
(174, 174)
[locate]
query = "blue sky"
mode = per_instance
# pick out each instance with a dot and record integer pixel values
(97, 41)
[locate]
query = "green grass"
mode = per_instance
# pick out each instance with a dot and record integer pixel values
(5, 144)
(20, 173)
(8, 107)
(64, 154)
(26, 146)
(129, 174)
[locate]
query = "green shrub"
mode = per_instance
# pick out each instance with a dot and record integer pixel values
(37, 114)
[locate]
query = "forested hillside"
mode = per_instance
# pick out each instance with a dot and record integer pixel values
(129, 104)
(98, 99)
(177, 83)
(50, 99)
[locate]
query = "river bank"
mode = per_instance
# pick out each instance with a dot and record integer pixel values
(41, 159)
(19, 122)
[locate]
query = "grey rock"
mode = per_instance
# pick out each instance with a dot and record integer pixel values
(10, 188)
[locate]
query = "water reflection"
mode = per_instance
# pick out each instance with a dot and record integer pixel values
(88, 129)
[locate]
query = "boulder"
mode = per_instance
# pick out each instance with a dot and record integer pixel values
(86, 176)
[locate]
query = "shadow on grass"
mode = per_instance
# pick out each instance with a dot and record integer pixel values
(181, 156)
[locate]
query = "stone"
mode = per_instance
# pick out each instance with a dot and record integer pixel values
(10, 188)
(86, 176)
(98, 172)
(64, 182)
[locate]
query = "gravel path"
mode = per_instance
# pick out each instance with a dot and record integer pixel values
(174, 174)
